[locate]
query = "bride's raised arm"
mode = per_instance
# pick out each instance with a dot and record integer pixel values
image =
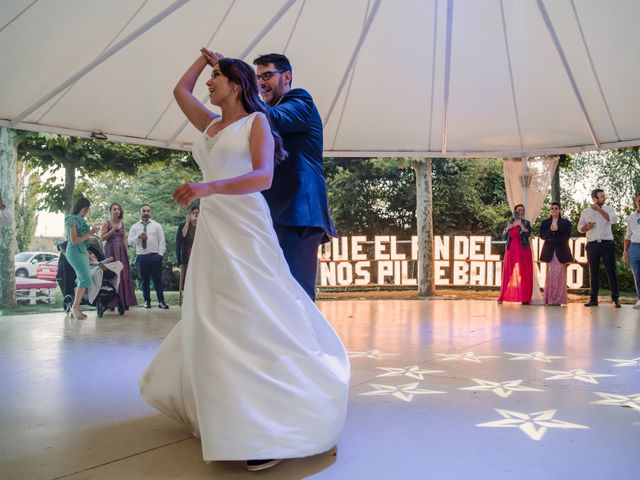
(199, 115)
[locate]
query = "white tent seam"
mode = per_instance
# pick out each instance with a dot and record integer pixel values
(447, 76)
(513, 88)
(433, 71)
(348, 92)
(101, 58)
(354, 55)
(267, 28)
(295, 25)
(18, 15)
(567, 69)
(103, 50)
(208, 44)
(593, 70)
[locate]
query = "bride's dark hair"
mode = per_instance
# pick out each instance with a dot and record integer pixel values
(243, 75)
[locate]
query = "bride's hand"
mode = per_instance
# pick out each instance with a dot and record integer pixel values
(211, 57)
(188, 192)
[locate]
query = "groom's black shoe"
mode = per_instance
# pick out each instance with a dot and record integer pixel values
(256, 465)
(147, 304)
(616, 303)
(163, 306)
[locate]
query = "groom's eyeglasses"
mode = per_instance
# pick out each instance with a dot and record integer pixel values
(267, 75)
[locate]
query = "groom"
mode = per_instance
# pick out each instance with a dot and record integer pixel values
(298, 194)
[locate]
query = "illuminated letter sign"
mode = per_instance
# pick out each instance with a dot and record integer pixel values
(459, 260)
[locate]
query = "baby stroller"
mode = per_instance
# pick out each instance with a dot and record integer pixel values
(66, 278)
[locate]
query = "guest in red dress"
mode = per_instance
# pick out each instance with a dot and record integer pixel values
(517, 267)
(115, 245)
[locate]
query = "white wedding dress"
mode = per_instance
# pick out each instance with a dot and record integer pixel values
(253, 368)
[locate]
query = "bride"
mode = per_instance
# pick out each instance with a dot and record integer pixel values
(253, 368)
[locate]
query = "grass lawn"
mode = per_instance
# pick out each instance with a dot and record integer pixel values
(25, 309)
(171, 298)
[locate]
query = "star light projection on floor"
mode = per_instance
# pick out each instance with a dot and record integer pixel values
(617, 400)
(502, 389)
(403, 392)
(577, 374)
(413, 371)
(537, 356)
(467, 357)
(534, 424)
(375, 353)
(634, 362)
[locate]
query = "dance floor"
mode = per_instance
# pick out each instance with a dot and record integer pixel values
(440, 389)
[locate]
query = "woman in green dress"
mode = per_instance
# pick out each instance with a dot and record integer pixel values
(78, 235)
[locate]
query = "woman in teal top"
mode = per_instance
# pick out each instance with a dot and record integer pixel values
(78, 234)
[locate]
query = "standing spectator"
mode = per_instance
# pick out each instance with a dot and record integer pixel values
(517, 267)
(596, 222)
(631, 253)
(112, 234)
(556, 232)
(148, 237)
(78, 235)
(184, 243)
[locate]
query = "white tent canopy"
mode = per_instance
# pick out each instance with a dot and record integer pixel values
(422, 78)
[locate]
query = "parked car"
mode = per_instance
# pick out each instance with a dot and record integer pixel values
(27, 262)
(47, 270)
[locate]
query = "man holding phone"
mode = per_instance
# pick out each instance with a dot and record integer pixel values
(148, 238)
(596, 222)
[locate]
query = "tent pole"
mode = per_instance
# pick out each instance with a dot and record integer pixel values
(424, 215)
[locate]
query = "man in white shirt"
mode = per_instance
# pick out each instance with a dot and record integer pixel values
(596, 222)
(148, 238)
(631, 254)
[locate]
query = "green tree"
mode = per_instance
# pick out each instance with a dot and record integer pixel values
(50, 153)
(564, 163)
(27, 187)
(371, 196)
(152, 184)
(9, 142)
(469, 196)
(377, 196)
(617, 172)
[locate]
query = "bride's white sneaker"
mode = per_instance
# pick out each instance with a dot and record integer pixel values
(637, 305)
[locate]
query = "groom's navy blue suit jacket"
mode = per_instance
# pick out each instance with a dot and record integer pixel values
(298, 194)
